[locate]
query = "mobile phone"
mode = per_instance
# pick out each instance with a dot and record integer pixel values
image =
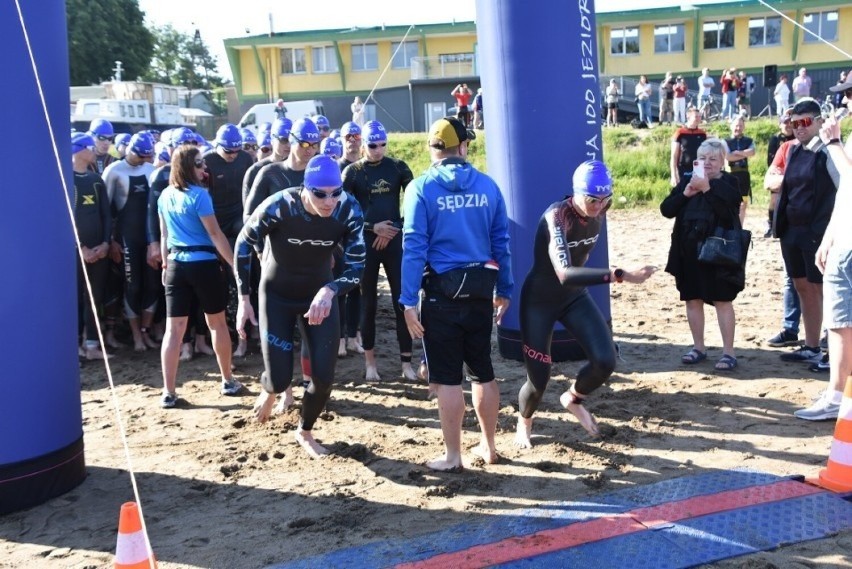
(841, 113)
(698, 168)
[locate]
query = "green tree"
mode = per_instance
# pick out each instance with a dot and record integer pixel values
(182, 59)
(103, 31)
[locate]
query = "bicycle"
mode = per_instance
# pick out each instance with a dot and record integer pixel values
(710, 110)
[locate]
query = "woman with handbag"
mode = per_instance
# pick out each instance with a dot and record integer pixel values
(700, 204)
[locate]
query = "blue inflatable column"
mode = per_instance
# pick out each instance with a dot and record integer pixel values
(539, 71)
(41, 453)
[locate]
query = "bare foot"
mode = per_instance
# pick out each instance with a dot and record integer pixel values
(112, 342)
(523, 435)
(263, 406)
(372, 374)
(149, 342)
(285, 402)
(139, 346)
(354, 345)
(408, 372)
(441, 464)
(94, 354)
(341, 349)
(306, 441)
(242, 348)
(581, 413)
(490, 456)
(185, 352)
(201, 347)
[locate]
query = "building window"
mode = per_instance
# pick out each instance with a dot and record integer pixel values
(668, 38)
(624, 41)
(324, 59)
(764, 31)
(456, 58)
(365, 56)
(719, 35)
(292, 60)
(823, 24)
(402, 59)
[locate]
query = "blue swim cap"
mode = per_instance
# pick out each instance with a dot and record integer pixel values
(201, 140)
(182, 135)
(142, 144)
(323, 172)
(101, 127)
(248, 136)
(304, 130)
(81, 141)
(321, 122)
(266, 141)
(350, 128)
(264, 127)
(334, 134)
(592, 178)
(162, 152)
(281, 128)
(374, 131)
(228, 137)
(122, 138)
(331, 146)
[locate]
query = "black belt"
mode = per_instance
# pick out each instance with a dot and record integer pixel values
(192, 249)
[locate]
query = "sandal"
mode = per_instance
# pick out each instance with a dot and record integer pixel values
(726, 363)
(693, 356)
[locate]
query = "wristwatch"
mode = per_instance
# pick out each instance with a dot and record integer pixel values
(834, 141)
(619, 275)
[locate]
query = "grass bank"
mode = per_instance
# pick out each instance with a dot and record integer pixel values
(638, 159)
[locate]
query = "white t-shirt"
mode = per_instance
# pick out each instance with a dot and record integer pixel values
(782, 93)
(705, 86)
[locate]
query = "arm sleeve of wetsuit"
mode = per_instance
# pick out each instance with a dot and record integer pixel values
(354, 251)
(264, 219)
(248, 180)
(405, 175)
(104, 210)
(415, 244)
(500, 249)
(152, 225)
(258, 193)
(560, 257)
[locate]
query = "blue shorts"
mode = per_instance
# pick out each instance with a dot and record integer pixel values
(837, 290)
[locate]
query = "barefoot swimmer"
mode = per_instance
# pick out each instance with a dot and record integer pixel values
(300, 227)
(555, 290)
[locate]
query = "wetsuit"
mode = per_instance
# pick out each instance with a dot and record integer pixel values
(94, 227)
(273, 178)
(225, 182)
(555, 291)
(377, 186)
(296, 263)
(101, 162)
(350, 303)
(249, 178)
(128, 190)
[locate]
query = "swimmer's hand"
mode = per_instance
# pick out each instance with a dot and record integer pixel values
(245, 313)
(320, 306)
(501, 305)
(639, 276)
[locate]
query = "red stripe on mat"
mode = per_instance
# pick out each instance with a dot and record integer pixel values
(571, 535)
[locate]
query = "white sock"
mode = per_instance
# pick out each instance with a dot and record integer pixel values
(836, 397)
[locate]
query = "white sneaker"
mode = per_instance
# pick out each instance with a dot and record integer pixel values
(822, 410)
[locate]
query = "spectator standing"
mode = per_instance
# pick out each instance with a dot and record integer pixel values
(612, 94)
(801, 85)
(680, 100)
(667, 99)
(280, 109)
(782, 95)
(478, 113)
(729, 93)
(740, 149)
(357, 109)
(705, 88)
(643, 93)
(684, 149)
(462, 94)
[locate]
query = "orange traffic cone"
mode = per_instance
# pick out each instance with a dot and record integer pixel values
(132, 550)
(837, 475)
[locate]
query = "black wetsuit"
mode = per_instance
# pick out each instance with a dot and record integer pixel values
(378, 186)
(249, 178)
(296, 264)
(128, 189)
(350, 303)
(555, 291)
(225, 182)
(94, 227)
(101, 162)
(272, 178)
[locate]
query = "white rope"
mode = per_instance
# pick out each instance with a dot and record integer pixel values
(390, 61)
(797, 24)
(88, 284)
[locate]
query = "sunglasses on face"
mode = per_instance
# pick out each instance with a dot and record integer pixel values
(249, 146)
(324, 129)
(848, 93)
(373, 145)
(323, 195)
(105, 138)
(306, 144)
(265, 149)
(592, 200)
(229, 151)
(199, 163)
(190, 142)
(353, 137)
(283, 139)
(802, 123)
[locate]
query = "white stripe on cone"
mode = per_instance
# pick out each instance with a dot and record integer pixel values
(841, 452)
(131, 549)
(845, 409)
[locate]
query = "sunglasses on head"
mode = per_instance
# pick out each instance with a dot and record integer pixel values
(249, 146)
(374, 145)
(325, 195)
(199, 163)
(105, 138)
(592, 200)
(802, 123)
(353, 137)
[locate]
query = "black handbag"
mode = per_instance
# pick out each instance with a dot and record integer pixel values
(725, 247)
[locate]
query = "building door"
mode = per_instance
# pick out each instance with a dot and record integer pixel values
(433, 112)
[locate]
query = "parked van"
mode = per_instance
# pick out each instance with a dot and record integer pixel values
(265, 112)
